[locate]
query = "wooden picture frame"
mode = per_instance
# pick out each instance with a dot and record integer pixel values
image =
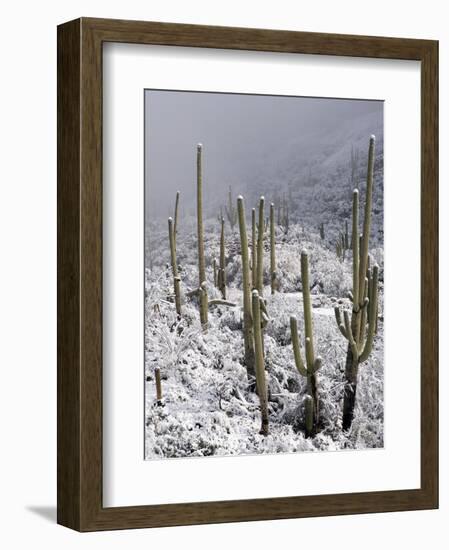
(80, 504)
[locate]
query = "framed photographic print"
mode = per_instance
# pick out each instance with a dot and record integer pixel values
(247, 274)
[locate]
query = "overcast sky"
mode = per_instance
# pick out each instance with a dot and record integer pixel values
(238, 132)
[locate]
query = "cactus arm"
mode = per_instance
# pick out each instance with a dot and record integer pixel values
(350, 336)
(340, 324)
(260, 235)
(296, 347)
(218, 302)
(372, 317)
(367, 217)
(350, 296)
(199, 214)
(260, 368)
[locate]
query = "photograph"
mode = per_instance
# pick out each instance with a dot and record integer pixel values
(264, 274)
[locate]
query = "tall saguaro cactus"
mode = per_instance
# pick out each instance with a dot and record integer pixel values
(222, 268)
(260, 236)
(253, 249)
(312, 364)
(247, 316)
(360, 329)
(272, 251)
(259, 361)
(199, 214)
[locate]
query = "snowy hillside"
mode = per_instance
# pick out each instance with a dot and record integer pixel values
(207, 407)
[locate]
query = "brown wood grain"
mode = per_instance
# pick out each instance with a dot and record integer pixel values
(80, 274)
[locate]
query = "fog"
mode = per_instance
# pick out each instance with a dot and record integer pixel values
(242, 136)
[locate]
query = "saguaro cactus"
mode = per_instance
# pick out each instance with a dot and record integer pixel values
(360, 329)
(222, 268)
(312, 364)
(260, 236)
(199, 215)
(231, 211)
(174, 264)
(171, 237)
(247, 317)
(175, 227)
(259, 359)
(273, 280)
(215, 268)
(253, 248)
(322, 234)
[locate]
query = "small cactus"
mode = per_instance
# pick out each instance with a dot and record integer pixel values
(231, 211)
(322, 234)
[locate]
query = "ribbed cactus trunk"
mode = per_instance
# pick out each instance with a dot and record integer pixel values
(175, 226)
(222, 269)
(260, 236)
(174, 264)
(253, 249)
(259, 362)
(204, 306)
(171, 238)
(199, 215)
(312, 364)
(247, 316)
(272, 251)
(360, 329)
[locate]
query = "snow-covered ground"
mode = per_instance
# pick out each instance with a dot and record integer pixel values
(208, 408)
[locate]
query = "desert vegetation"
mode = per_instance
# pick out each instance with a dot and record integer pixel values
(264, 327)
